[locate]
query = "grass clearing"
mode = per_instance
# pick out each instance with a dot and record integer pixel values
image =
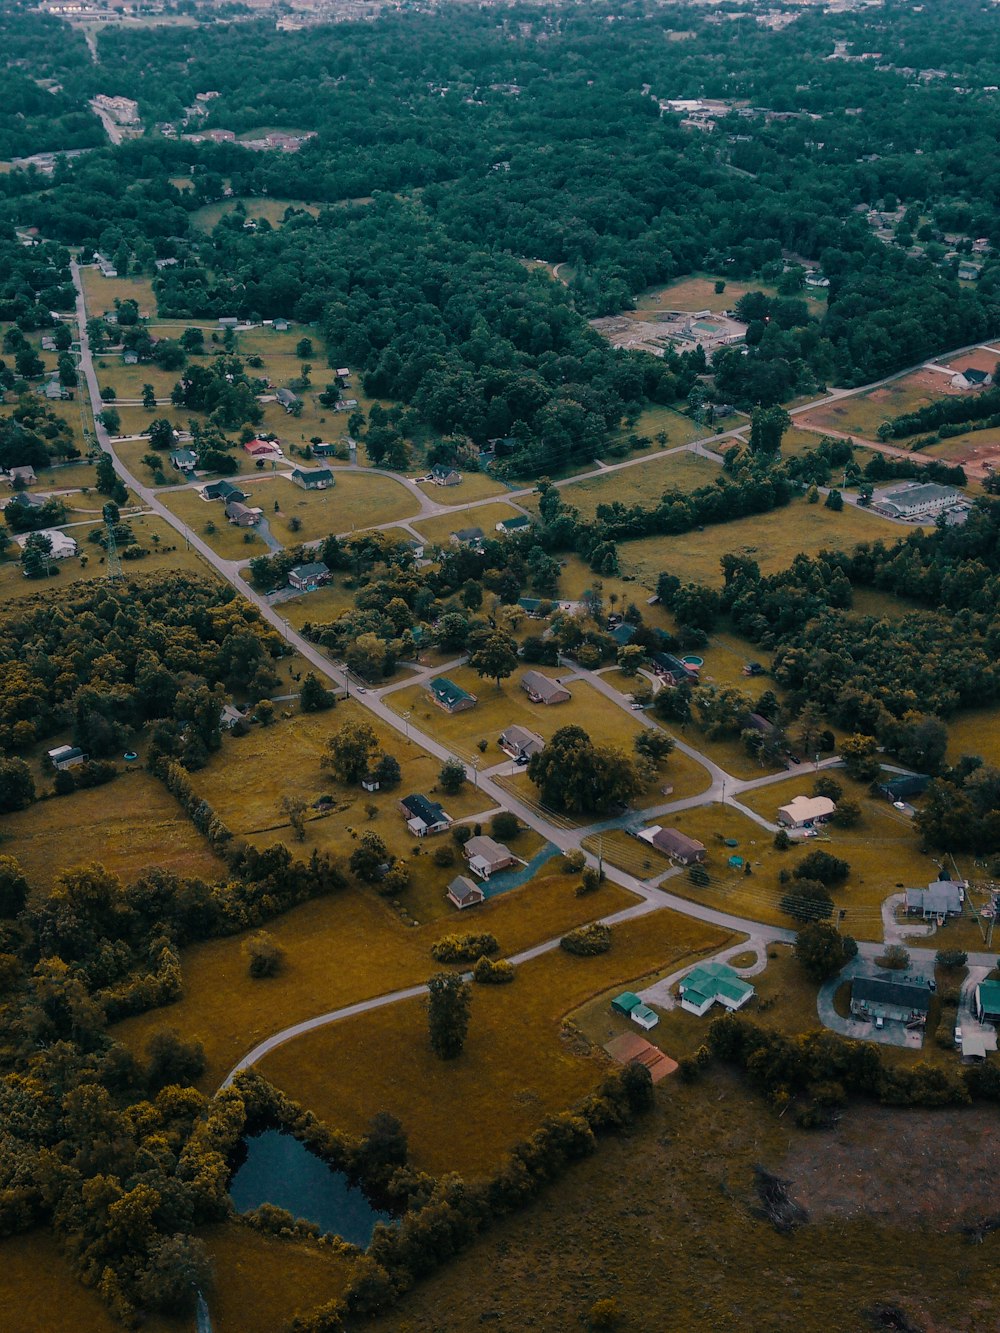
(40, 1287)
(128, 826)
(642, 484)
(773, 540)
(975, 732)
(209, 216)
(697, 292)
(338, 951)
(473, 486)
(463, 1114)
(100, 293)
(437, 531)
(603, 720)
(863, 413)
(318, 608)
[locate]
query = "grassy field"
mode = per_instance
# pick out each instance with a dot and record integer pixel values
(642, 484)
(516, 1067)
(438, 530)
(319, 607)
(170, 554)
(679, 428)
(128, 381)
(773, 540)
(863, 413)
(698, 293)
(603, 720)
(210, 215)
(678, 1190)
(129, 826)
(338, 951)
(100, 292)
(473, 486)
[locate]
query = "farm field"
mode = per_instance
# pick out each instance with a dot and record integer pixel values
(129, 826)
(473, 486)
(340, 950)
(516, 1066)
(603, 720)
(773, 540)
(40, 1286)
(642, 484)
(438, 530)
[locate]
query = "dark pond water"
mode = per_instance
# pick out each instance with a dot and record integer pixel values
(280, 1170)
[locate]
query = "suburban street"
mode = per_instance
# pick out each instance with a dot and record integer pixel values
(563, 836)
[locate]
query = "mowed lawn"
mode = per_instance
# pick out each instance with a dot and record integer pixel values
(473, 486)
(642, 484)
(437, 531)
(603, 720)
(100, 292)
(517, 1066)
(338, 951)
(130, 825)
(773, 540)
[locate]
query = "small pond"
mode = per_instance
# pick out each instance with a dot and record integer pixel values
(280, 1170)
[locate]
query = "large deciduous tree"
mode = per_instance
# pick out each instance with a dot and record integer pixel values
(448, 1006)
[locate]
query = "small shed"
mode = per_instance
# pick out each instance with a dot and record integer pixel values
(625, 1003)
(644, 1017)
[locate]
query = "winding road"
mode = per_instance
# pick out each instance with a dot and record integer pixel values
(723, 786)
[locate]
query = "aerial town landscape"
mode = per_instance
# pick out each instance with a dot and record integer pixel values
(499, 666)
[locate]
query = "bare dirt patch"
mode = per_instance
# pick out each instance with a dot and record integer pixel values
(899, 1166)
(980, 359)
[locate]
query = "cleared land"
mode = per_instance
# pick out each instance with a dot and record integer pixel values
(698, 293)
(642, 485)
(773, 540)
(863, 413)
(210, 215)
(516, 1066)
(100, 292)
(473, 486)
(340, 950)
(129, 826)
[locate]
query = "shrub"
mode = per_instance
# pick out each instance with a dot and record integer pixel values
(587, 941)
(488, 973)
(461, 834)
(573, 861)
(444, 855)
(505, 825)
(464, 948)
(590, 882)
(782, 841)
(895, 957)
(605, 1314)
(264, 955)
(823, 867)
(827, 786)
(951, 959)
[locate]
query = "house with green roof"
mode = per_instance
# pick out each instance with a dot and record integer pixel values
(988, 1002)
(449, 696)
(713, 983)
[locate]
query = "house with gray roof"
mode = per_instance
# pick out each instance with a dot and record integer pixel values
(890, 996)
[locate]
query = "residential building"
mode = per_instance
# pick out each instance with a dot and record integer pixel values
(66, 756)
(307, 578)
(971, 378)
(987, 1002)
(531, 606)
(423, 816)
(449, 696)
(25, 500)
(184, 460)
(280, 325)
(415, 548)
(918, 500)
(889, 996)
(242, 515)
(673, 843)
(313, 479)
(345, 405)
(629, 1046)
(231, 716)
(713, 983)
(324, 450)
(541, 690)
(904, 787)
(805, 811)
(467, 537)
(443, 474)
(63, 545)
(508, 527)
(968, 272)
(943, 898)
(463, 893)
(287, 399)
(486, 857)
(623, 634)
(520, 743)
(671, 670)
(25, 475)
(222, 490)
(263, 449)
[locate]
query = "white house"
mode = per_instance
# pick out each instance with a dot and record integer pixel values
(805, 811)
(63, 545)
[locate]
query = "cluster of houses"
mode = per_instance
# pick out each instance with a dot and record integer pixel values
(484, 856)
(540, 689)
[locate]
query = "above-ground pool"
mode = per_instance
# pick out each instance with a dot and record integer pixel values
(693, 660)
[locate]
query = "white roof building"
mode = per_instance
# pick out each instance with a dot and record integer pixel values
(63, 545)
(804, 811)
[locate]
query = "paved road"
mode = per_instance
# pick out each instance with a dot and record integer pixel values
(564, 838)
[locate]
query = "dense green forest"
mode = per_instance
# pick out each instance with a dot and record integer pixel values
(488, 137)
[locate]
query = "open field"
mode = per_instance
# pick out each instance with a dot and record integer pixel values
(340, 950)
(473, 486)
(642, 485)
(773, 540)
(128, 826)
(437, 531)
(980, 358)
(515, 1068)
(603, 720)
(679, 429)
(319, 607)
(863, 413)
(882, 851)
(41, 1293)
(975, 732)
(882, 1231)
(167, 556)
(210, 215)
(100, 292)
(128, 381)
(698, 293)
